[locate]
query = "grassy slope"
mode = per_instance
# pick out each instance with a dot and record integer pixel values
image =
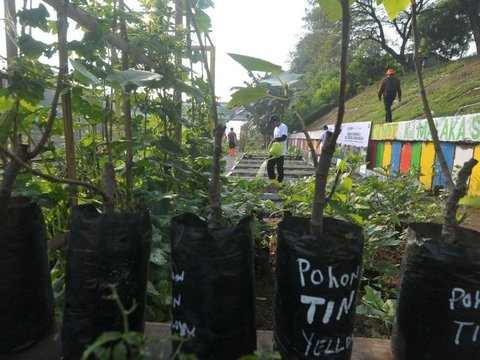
(452, 89)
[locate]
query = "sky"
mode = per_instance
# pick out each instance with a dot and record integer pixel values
(266, 29)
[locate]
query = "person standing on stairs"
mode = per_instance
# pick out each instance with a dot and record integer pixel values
(280, 134)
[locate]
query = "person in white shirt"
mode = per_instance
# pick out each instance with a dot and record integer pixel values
(323, 136)
(280, 134)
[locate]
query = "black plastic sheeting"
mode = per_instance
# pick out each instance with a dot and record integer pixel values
(103, 249)
(213, 304)
(438, 308)
(26, 300)
(317, 281)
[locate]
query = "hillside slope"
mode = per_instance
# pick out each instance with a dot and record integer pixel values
(452, 89)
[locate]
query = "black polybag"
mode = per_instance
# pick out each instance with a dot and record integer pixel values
(103, 249)
(26, 300)
(317, 281)
(438, 307)
(213, 304)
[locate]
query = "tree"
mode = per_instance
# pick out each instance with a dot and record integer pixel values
(371, 23)
(444, 29)
(472, 9)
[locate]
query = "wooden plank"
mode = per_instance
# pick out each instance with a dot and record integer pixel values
(474, 188)
(159, 344)
(405, 158)
(395, 158)
(448, 150)
(426, 164)
(387, 154)
(379, 157)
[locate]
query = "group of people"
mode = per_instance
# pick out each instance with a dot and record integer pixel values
(388, 90)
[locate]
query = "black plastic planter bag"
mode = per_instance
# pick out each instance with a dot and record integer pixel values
(103, 249)
(26, 300)
(317, 280)
(438, 308)
(213, 304)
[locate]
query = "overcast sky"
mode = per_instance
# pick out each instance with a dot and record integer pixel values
(266, 29)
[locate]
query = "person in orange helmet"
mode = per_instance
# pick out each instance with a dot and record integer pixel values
(389, 88)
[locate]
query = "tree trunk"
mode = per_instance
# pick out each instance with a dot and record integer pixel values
(66, 98)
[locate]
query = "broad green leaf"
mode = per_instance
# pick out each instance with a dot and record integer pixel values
(82, 74)
(132, 76)
(471, 201)
(168, 146)
(158, 257)
(246, 96)
(6, 124)
(332, 8)
(36, 17)
(347, 183)
(119, 351)
(255, 64)
(283, 78)
(204, 21)
(394, 7)
(31, 47)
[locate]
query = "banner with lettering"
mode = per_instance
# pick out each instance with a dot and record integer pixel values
(438, 307)
(462, 128)
(317, 280)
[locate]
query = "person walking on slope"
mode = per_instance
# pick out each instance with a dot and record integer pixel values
(232, 141)
(389, 88)
(280, 134)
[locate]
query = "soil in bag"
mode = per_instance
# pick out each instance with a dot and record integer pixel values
(213, 305)
(26, 301)
(438, 308)
(103, 249)
(317, 280)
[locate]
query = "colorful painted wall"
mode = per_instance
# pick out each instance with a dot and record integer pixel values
(408, 144)
(401, 146)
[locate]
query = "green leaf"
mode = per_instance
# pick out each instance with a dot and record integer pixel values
(6, 124)
(168, 146)
(82, 74)
(281, 79)
(245, 96)
(255, 64)
(471, 201)
(132, 76)
(31, 47)
(35, 17)
(204, 21)
(394, 7)
(122, 145)
(119, 351)
(347, 183)
(332, 8)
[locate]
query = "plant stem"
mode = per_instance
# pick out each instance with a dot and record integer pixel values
(16, 159)
(215, 208)
(321, 171)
